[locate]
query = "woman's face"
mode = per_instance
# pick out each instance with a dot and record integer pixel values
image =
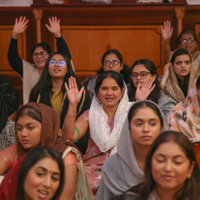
(170, 166)
(182, 66)
(188, 42)
(40, 57)
(42, 180)
(57, 67)
(140, 74)
(28, 131)
(109, 92)
(145, 126)
(112, 63)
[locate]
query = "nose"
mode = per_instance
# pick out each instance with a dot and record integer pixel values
(47, 181)
(146, 127)
(24, 132)
(109, 92)
(168, 165)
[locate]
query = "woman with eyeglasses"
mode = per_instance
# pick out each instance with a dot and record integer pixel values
(112, 61)
(40, 52)
(145, 85)
(50, 90)
(187, 40)
(179, 75)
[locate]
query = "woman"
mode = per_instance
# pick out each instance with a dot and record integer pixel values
(143, 73)
(38, 125)
(171, 170)
(40, 52)
(112, 61)
(178, 75)
(187, 39)
(184, 117)
(51, 91)
(124, 169)
(41, 177)
(104, 121)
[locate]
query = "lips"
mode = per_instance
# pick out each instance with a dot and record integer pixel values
(56, 70)
(167, 177)
(146, 138)
(42, 194)
(109, 99)
(25, 141)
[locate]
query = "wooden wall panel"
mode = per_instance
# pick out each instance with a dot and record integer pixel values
(6, 33)
(87, 44)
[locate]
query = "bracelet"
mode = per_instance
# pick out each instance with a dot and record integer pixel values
(71, 114)
(77, 132)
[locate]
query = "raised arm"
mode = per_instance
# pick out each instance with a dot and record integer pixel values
(13, 57)
(165, 76)
(167, 31)
(54, 28)
(69, 131)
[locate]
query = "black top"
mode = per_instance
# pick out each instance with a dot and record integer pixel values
(16, 61)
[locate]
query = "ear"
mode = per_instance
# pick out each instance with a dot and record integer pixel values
(122, 92)
(189, 174)
(121, 66)
(154, 77)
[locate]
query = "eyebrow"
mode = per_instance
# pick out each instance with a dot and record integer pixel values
(176, 156)
(40, 167)
(139, 119)
(27, 123)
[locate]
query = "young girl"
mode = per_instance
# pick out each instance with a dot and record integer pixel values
(125, 168)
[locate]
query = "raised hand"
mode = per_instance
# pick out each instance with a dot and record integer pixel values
(74, 95)
(19, 26)
(165, 75)
(143, 92)
(54, 26)
(166, 30)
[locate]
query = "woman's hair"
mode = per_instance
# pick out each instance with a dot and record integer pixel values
(30, 160)
(155, 94)
(191, 187)
(30, 111)
(179, 52)
(45, 80)
(186, 32)
(108, 74)
(198, 83)
(45, 46)
(112, 51)
(143, 104)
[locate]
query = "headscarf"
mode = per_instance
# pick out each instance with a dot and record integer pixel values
(172, 87)
(121, 171)
(185, 116)
(100, 130)
(49, 130)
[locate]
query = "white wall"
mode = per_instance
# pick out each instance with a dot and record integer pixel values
(193, 2)
(16, 2)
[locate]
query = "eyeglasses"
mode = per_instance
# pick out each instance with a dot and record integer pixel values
(42, 54)
(142, 75)
(114, 63)
(190, 40)
(61, 63)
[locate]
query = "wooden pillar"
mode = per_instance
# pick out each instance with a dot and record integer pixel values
(38, 16)
(179, 16)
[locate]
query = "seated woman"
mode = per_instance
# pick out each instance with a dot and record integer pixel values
(112, 61)
(40, 52)
(124, 169)
(50, 90)
(32, 178)
(171, 170)
(178, 75)
(38, 125)
(184, 117)
(104, 121)
(187, 40)
(9, 104)
(143, 73)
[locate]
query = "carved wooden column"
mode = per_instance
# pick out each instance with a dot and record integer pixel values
(38, 16)
(179, 15)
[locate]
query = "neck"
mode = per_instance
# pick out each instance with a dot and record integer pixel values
(110, 111)
(57, 84)
(40, 70)
(140, 155)
(165, 194)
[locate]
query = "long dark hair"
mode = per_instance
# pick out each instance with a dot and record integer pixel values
(45, 81)
(155, 94)
(125, 70)
(191, 187)
(43, 45)
(30, 160)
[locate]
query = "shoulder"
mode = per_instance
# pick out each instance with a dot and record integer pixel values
(164, 99)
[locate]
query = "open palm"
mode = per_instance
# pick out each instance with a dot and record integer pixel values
(167, 30)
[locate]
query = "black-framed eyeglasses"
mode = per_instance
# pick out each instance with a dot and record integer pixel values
(61, 63)
(42, 54)
(142, 75)
(190, 40)
(114, 62)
